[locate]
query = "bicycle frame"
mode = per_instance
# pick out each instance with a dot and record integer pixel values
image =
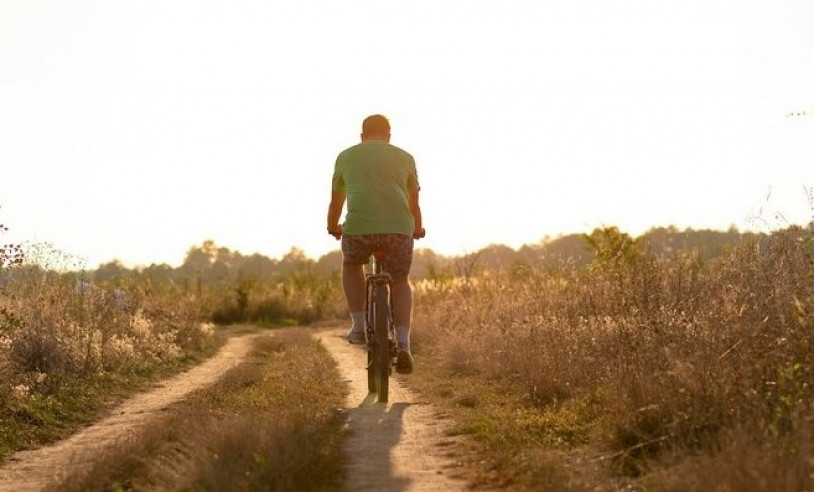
(375, 278)
(380, 332)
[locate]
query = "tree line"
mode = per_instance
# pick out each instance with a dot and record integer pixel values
(211, 265)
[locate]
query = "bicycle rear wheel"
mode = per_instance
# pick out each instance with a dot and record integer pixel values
(382, 346)
(371, 339)
(371, 370)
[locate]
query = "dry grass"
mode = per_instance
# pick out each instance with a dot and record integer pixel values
(676, 373)
(66, 351)
(69, 348)
(272, 423)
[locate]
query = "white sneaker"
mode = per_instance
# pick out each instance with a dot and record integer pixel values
(356, 337)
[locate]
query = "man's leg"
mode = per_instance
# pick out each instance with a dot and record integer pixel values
(401, 257)
(353, 283)
(403, 306)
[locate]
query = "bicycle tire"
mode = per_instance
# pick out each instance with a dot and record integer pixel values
(382, 345)
(371, 370)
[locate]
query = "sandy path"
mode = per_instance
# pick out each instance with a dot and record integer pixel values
(34, 470)
(398, 446)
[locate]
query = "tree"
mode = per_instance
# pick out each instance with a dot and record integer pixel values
(10, 254)
(111, 270)
(201, 257)
(611, 246)
(294, 260)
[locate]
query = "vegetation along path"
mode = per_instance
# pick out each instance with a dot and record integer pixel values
(41, 468)
(398, 446)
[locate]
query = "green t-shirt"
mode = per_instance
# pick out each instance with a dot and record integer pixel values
(377, 179)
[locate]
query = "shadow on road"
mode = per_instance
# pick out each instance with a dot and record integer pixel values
(374, 429)
(388, 447)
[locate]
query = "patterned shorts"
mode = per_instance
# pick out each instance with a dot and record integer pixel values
(397, 248)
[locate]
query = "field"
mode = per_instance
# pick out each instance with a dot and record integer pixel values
(663, 369)
(674, 373)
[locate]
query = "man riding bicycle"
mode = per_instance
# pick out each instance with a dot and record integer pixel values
(380, 183)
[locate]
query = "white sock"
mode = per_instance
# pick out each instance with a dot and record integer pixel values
(358, 320)
(403, 336)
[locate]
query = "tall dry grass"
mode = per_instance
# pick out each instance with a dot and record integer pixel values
(51, 326)
(674, 364)
(62, 335)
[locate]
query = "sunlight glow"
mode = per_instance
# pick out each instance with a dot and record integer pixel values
(135, 130)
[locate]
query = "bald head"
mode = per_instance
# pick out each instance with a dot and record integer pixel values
(376, 127)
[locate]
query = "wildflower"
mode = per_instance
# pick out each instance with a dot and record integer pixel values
(21, 390)
(141, 326)
(206, 329)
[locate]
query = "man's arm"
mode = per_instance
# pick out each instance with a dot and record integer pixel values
(334, 212)
(415, 209)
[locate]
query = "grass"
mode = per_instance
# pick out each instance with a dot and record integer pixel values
(659, 373)
(69, 350)
(671, 373)
(509, 443)
(60, 404)
(272, 423)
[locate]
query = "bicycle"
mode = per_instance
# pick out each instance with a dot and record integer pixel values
(380, 332)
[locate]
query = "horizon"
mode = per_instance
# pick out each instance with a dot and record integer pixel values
(68, 257)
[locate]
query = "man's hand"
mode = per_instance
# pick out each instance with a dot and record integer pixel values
(335, 231)
(419, 233)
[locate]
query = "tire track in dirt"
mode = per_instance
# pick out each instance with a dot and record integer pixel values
(37, 469)
(398, 446)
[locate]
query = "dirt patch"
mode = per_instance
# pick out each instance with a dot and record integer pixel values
(398, 446)
(37, 469)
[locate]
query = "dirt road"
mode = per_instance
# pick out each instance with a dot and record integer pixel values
(398, 446)
(35, 470)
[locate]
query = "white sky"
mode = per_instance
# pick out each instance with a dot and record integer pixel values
(137, 129)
